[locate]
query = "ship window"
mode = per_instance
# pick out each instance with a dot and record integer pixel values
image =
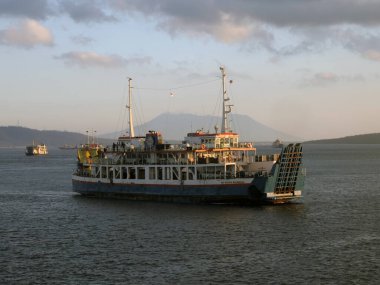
(191, 171)
(159, 173)
(175, 173)
(167, 173)
(132, 173)
(117, 173)
(210, 172)
(104, 171)
(219, 172)
(183, 173)
(123, 173)
(230, 171)
(152, 173)
(200, 172)
(97, 173)
(140, 173)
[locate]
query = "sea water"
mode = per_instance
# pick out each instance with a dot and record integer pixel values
(49, 235)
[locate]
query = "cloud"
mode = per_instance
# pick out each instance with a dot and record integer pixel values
(313, 24)
(211, 16)
(27, 34)
(301, 13)
(86, 11)
(82, 40)
(91, 59)
(226, 31)
(207, 13)
(365, 43)
(321, 79)
(372, 54)
(139, 60)
(325, 77)
(192, 17)
(36, 9)
(285, 13)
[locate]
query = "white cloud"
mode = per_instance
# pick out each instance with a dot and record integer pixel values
(93, 59)
(326, 76)
(228, 31)
(27, 34)
(372, 55)
(321, 79)
(82, 40)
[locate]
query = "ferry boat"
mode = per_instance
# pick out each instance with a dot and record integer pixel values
(39, 149)
(204, 168)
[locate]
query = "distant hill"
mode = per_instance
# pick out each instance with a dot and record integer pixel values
(20, 136)
(176, 126)
(358, 139)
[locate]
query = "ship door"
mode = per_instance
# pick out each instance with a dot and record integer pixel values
(230, 171)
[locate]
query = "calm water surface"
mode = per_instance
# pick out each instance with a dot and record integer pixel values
(51, 236)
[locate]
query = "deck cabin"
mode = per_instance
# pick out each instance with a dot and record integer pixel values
(202, 156)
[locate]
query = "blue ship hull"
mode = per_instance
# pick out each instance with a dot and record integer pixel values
(226, 193)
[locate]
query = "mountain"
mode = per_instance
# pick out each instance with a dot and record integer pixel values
(358, 139)
(176, 126)
(172, 126)
(20, 136)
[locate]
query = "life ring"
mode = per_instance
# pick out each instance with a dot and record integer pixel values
(203, 146)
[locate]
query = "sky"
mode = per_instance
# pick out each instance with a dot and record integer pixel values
(309, 68)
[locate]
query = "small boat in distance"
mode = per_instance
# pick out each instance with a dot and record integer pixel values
(39, 149)
(278, 143)
(68, 146)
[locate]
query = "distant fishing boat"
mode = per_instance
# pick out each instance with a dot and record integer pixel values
(39, 149)
(68, 146)
(278, 143)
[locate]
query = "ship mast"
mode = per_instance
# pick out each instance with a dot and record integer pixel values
(226, 107)
(129, 106)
